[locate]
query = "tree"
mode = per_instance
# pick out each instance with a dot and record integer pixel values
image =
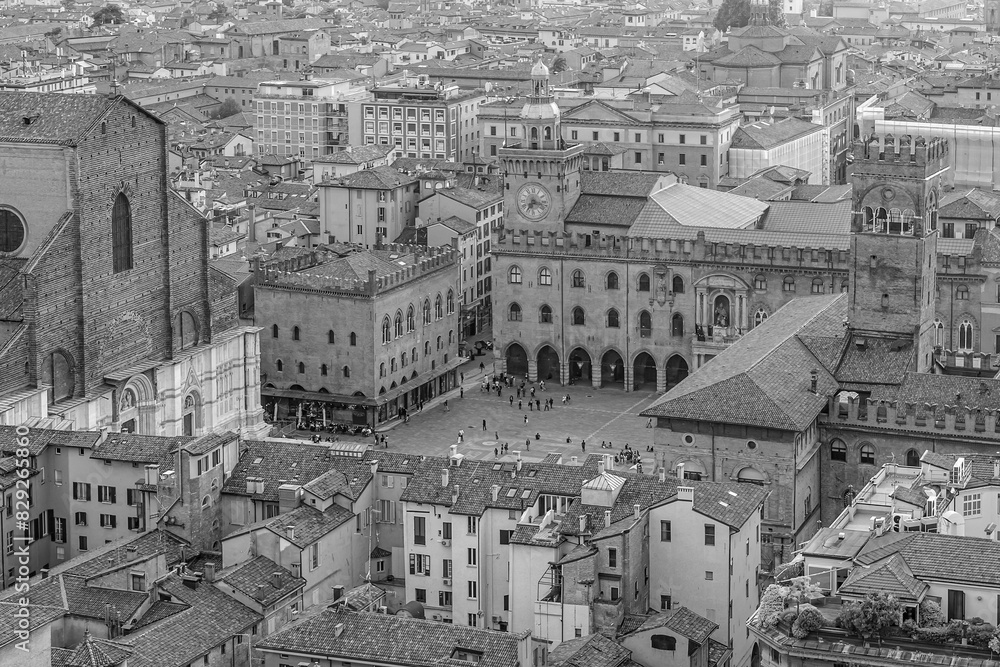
(772, 603)
(809, 619)
(930, 614)
(228, 107)
(109, 14)
(218, 15)
(802, 587)
(825, 8)
(736, 14)
(558, 65)
(872, 617)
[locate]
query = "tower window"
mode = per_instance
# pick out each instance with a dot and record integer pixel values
(11, 231)
(121, 234)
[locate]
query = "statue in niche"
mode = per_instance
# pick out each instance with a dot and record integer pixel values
(662, 287)
(721, 313)
(128, 400)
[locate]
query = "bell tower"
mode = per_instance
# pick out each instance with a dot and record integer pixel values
(541, 171)
(897, 184)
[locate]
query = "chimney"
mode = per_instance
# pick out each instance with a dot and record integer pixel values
(638, 511)
(685, 493)
(600, 466)
(152, 474)
(454, 495)
(607, 518)
(444, 477)
(338, 629)
(251, 484)
(288, 497)
(609, 462)
(131, 552)
(495, 491)
(374, 465)
(290, 532)
(276, 579)
(518, 464)
(814, 380)
(663, 474)
(209, 572)
(573, 460)
(996, 468)
(680, 471)
(517, 454)
(583, 523)
(454, 450)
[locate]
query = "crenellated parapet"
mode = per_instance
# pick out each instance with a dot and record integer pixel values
(903, 150)
(930, 418)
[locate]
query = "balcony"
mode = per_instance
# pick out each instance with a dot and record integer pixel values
(711, 340)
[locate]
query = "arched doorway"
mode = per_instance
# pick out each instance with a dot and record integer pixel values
(755, 656)
(644, 371)
(579, 365)
(677, 370)
(517, 360)
(913, 458)
(548, 364)
(612, 369)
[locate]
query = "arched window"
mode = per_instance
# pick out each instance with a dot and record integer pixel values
(296, 333)
(323, 369)
(451, 337)
(845, 286)
(866, 454)
(274, 331)
(514, 275)
(663, 642)
(643, 282)
(381, 370)
(612, 318)
(966, 334)
(399, 324)
(759, 317)
(677, 325)
(545, 315)
(645, 324)
(817, 286)
(392, 365)
(121, 234)
(427, 347)
(438, 308)
(548, 133)
(678, 285)
(962, 293)
(544, 276)
(514, 313)
(403, 360)
(838, 451)
(611, 282)
(578, 316)
(12, 231)
(938, 326)
(279, 365)
(912, 458)
(354, 339)
(578, 279)
(347, 371)
(439, 343)
(187, 330)
(451, 302)
(760, 282)
(410, 324)
(534, 133)
(302, 367)
(413, 354)
(386, 330)
(330, 337)
(788, 285)
(427, 311)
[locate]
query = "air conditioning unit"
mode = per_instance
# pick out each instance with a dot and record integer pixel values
(446, 543)
(497, 619)
(446, 582)
(436, 617)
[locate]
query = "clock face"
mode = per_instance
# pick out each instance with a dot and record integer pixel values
(533, 201)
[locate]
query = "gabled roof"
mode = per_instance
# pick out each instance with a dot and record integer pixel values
(309, 523)
(936, 557)
(691, 206)
(759, 380)
(595, 650)
(684, 622)
(263, 580)
(890, 576)
(765, 134)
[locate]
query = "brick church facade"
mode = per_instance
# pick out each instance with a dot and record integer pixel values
(109, 313)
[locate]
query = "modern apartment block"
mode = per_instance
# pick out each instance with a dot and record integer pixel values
(421, 120)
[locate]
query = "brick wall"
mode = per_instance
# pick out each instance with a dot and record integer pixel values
(187, 250)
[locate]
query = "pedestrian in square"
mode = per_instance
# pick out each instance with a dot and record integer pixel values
(583, 445)
(512, 400)
(461, 435)
(538, 405)
(484, 424)
(519, 405)
(525, 419)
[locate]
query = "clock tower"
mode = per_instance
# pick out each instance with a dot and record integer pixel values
(541, 171)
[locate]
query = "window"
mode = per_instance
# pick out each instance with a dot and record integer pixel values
(612, 557)
(330, 337)
(578, 279)
(323, 369)
(398, 324)
(514, 275)
(663, 642)
(838, 451)
(514, 313)
(646, 324)
(965, 336)
(505, 536)
(438, 309)
(12, 231)
(638, 157)
(579, 318)
(354, 339)
(709, 534)
(545, 315)
(450, 301)
(302, 367)
(427, 311)
(386, 330)
(109, 521)
(446, 534)
(665, 536)
(83, 543)
(682, 159)
(704, 160)
(788, 285)
(544, 276)
(81, 491)
(611, 282)
(295, 333)
(444, 598)
(472, 554)
(473, 592)
(678, 285)
(709, 575)
(419, 530)
(643, 282)
(121, 234)
(80, 518)
(759, 317)
(817, 286)
(665, 602)
(472, 525)
(106, 494)
(866, 454)
(612, 319)
(347, 371)
(972, 504)
(677, 325)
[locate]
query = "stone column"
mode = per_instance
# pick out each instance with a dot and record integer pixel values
(661, 380)
(629, 377)
(595, 375)
(564, 372)
(532, 370)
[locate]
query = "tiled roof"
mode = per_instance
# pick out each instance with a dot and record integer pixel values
(594, 650)
(73, 594)
(354, 154)
(809, 218)
(137, 448)
(159, 610)
(310, 524)
(376, 178)
(40, 438)
(684, 622)
(921, 388)
(972, 204)
(55, 117)
(211, 619)
(473, 197)
(456, 224)
(932, 557)
(890, 576)
(766, 134)
(763, 378)
(691, 206)
(94, 652)
(274, 461)
(601, 210)
(109, 557)
(759, 187)
(871, 360)
(748, 56)
(247, 577)
(392, 640)
(41, 615)
(619, 183)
